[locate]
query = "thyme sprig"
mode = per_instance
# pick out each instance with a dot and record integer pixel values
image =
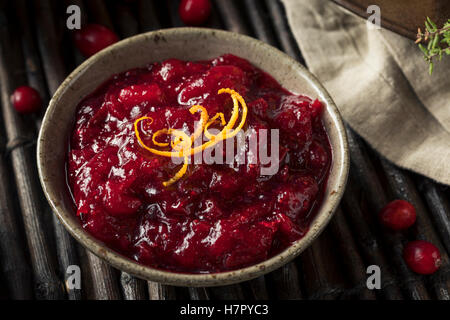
(434, 42)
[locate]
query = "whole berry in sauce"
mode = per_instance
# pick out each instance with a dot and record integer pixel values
(26, 100)
(194, 12)
(94, 37)
(398, 215)
(422, 257)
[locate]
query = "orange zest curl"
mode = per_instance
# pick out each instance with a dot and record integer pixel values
(203, 120)
(214, 120)
(157, 134)
(181, 143)
(179, 174)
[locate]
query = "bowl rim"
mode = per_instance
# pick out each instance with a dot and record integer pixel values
(203, 279)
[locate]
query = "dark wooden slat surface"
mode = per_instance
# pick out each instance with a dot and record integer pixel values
(231, 292)
(321, 273)
(439, 207)
(99, 13)
(19, 134)
(366, 174)
(104, 278)
(402, 187)
(106, 286)
(260, 21)
(287, 274)
(332, 268)
(36, 80)
(14, 266)
(367, 240)
(199, 294)
(350, 256)
(286, 282)
(147, 16)
(158, 291)
(48, 45)
(132, 288)
(231, 16)
(127, 25)
(258, 288)
(283, 33)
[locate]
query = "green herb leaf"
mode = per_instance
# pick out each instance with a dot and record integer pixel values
(424, 50)
(435, 42)
(432, 24)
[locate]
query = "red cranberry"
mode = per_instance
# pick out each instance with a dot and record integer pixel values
(422, 257)
(26, 100)
(398, 215)
(259, 107)
(93, 38)
(294, 120)
(318, 157)
(294, 200)
(139, 93)
(317, 108)
(194, 12)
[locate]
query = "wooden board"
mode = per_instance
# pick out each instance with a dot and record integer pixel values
(402, 16)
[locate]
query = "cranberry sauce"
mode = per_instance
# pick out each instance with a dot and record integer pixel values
(217, 217)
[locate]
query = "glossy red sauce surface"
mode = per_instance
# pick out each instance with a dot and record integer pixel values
(217, 217)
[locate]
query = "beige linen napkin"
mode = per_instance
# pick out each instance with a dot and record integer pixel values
(380, 83)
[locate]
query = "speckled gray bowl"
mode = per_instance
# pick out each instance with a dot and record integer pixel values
(186, 44)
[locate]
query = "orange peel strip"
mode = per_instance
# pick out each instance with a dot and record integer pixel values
(152, 150)
(198, 131)
(236, 96)
(185, 144)
(227, 131)
(157, 134)
(179, 174)
(203, 120)
(182, 143)
(211, 121)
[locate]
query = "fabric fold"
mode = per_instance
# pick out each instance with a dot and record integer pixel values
(380, 83)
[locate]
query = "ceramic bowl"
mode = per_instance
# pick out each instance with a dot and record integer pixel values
(185, 44)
